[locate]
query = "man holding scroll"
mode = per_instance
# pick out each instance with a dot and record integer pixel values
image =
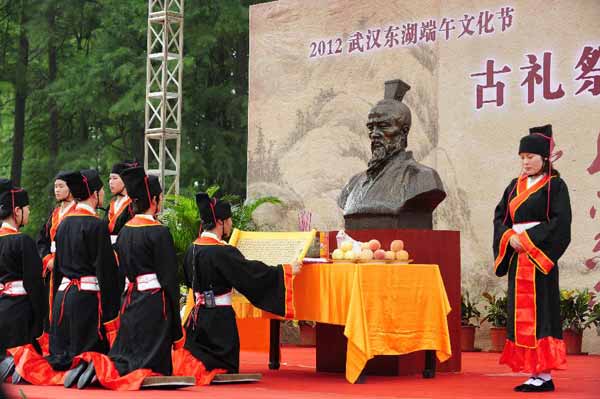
(212, 269)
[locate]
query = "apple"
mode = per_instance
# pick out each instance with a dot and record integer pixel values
(337, 254)
(402, 255)
(397, 245)
(366, 254)
(390, 255)
(379, 254)
(374, 245)
(346, 246)
(349, 255)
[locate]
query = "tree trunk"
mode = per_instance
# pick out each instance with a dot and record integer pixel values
(20, 100)
(52, 70)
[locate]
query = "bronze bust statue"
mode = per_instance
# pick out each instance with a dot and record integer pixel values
(395, 191)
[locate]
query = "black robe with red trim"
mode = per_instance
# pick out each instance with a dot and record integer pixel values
(149, 321)
(44, 239)
(535, 336)
(117, 219)
(212, 334)
(21, 317)
(79, 317)
(44, 245)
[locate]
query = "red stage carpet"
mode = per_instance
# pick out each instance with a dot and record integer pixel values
(482, 377)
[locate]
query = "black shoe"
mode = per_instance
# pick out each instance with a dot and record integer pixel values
(74, 374)
(17, 379)
(7, 367)
(520, 388)
(547, 386)
(87, 376)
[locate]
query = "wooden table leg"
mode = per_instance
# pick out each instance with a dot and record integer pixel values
(429, 371)
(274, 352)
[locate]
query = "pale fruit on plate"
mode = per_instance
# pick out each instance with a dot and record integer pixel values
(349, 255)
(346, 246)
(379, 254)
(364, 245)
(374, 245)
(337, 254)
(397, 245)
(402, 255)
(366, 254)
(390, 255)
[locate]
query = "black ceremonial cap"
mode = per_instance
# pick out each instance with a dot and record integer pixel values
(140, 187)
(62, 175)
(11, 196)
(538, 141)
(82, 184)
(211, 210)
(119, 167)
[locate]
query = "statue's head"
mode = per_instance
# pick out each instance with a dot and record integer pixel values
(389, 121)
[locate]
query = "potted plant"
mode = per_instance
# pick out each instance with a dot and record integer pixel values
(575, 311)
(496, 315)
(594, 317)
(468, 313)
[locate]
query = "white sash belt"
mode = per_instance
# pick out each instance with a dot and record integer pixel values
(86, 283)
(13, 288)
(521, 227)
(147, 282)
(221, 300)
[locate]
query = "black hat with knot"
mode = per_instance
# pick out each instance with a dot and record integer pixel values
(141, 188)
(538, 141)
(211, 210)
(83, 184)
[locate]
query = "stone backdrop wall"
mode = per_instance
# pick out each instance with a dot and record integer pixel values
(317, 67)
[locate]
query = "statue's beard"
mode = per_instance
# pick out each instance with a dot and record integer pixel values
(381, 153)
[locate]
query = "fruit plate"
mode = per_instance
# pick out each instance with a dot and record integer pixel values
(372, 261)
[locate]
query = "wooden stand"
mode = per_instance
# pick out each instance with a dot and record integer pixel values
(274, 351)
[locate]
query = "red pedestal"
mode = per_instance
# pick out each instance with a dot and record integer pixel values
(424, 246)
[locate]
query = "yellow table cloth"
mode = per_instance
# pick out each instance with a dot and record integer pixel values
(387, 309)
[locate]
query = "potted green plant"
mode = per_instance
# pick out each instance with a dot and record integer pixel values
(180, 214)
(594, 317)
(575, 311)
(468, 315)
(497, 315)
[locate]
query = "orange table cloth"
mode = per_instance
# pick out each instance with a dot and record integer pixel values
(387, 309)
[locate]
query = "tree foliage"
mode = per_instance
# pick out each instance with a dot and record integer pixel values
(85, 87)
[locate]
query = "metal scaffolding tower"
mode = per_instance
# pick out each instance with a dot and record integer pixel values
(164, 72)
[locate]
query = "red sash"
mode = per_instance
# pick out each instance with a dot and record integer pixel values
(525, 295)
(523, 193)
(525, 306)
(56, 219)
(81, 212)
(113, 214)
(138, 221)
(207, 241)
(8, 231)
